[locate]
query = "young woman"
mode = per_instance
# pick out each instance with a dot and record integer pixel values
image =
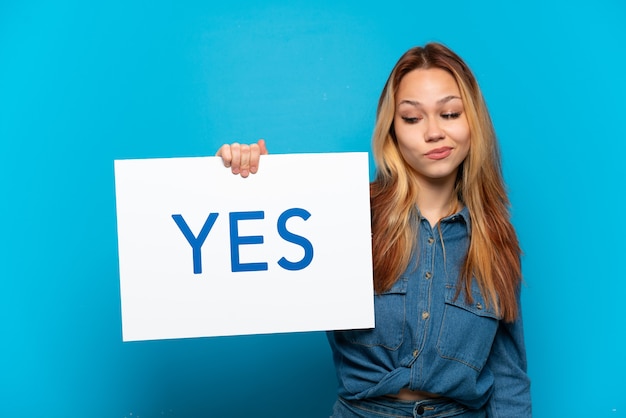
(448, 339)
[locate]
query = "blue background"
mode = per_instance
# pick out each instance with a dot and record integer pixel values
(84, 83)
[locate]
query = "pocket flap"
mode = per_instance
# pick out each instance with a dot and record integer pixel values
(477, 306)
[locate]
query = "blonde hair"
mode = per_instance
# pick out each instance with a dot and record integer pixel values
(493, 256)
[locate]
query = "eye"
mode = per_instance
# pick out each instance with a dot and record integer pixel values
(451, 115)
(410, 120)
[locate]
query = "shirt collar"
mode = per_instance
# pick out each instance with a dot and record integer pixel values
(463, 215)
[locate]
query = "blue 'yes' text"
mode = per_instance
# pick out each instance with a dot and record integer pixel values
(196, 241)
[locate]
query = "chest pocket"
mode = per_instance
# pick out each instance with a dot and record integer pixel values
(390, 319)
(467, 329)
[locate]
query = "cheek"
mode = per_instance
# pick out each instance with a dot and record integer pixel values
(408, 136)
(407, 146)
(465, 150)
(462, 137)
(463, 147)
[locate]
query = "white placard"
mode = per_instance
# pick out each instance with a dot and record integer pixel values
(203, 252)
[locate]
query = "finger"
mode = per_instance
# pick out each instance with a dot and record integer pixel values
(235, 162)
(255, 152)
(263, 147)
(244, 167)
(226, 155)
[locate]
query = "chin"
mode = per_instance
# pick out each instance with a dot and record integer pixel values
(440, 175)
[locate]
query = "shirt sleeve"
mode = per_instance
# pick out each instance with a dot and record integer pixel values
(511, 393)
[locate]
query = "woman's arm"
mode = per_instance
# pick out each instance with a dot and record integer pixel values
(507, 361)
(242, 159)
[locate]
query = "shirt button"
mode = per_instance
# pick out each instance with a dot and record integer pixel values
(431, 240)
(479, 305)
(428, 275)
(415, 353)
(425, 315)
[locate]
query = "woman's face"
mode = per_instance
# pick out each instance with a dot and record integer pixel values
(430, 124)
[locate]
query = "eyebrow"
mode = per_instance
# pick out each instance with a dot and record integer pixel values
(440, 101)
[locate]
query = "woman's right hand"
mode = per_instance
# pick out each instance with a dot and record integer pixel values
(242, 159)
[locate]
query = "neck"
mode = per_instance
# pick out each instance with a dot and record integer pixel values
(436, 200)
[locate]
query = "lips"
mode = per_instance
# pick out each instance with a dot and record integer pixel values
(439, 153)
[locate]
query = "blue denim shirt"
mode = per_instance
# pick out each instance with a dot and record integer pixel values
(426, 339)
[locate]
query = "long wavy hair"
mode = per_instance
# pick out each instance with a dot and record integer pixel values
(493, 257)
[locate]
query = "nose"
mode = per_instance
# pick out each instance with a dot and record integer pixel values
(433, 131)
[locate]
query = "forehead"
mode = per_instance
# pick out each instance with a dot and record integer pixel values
(425, 85)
